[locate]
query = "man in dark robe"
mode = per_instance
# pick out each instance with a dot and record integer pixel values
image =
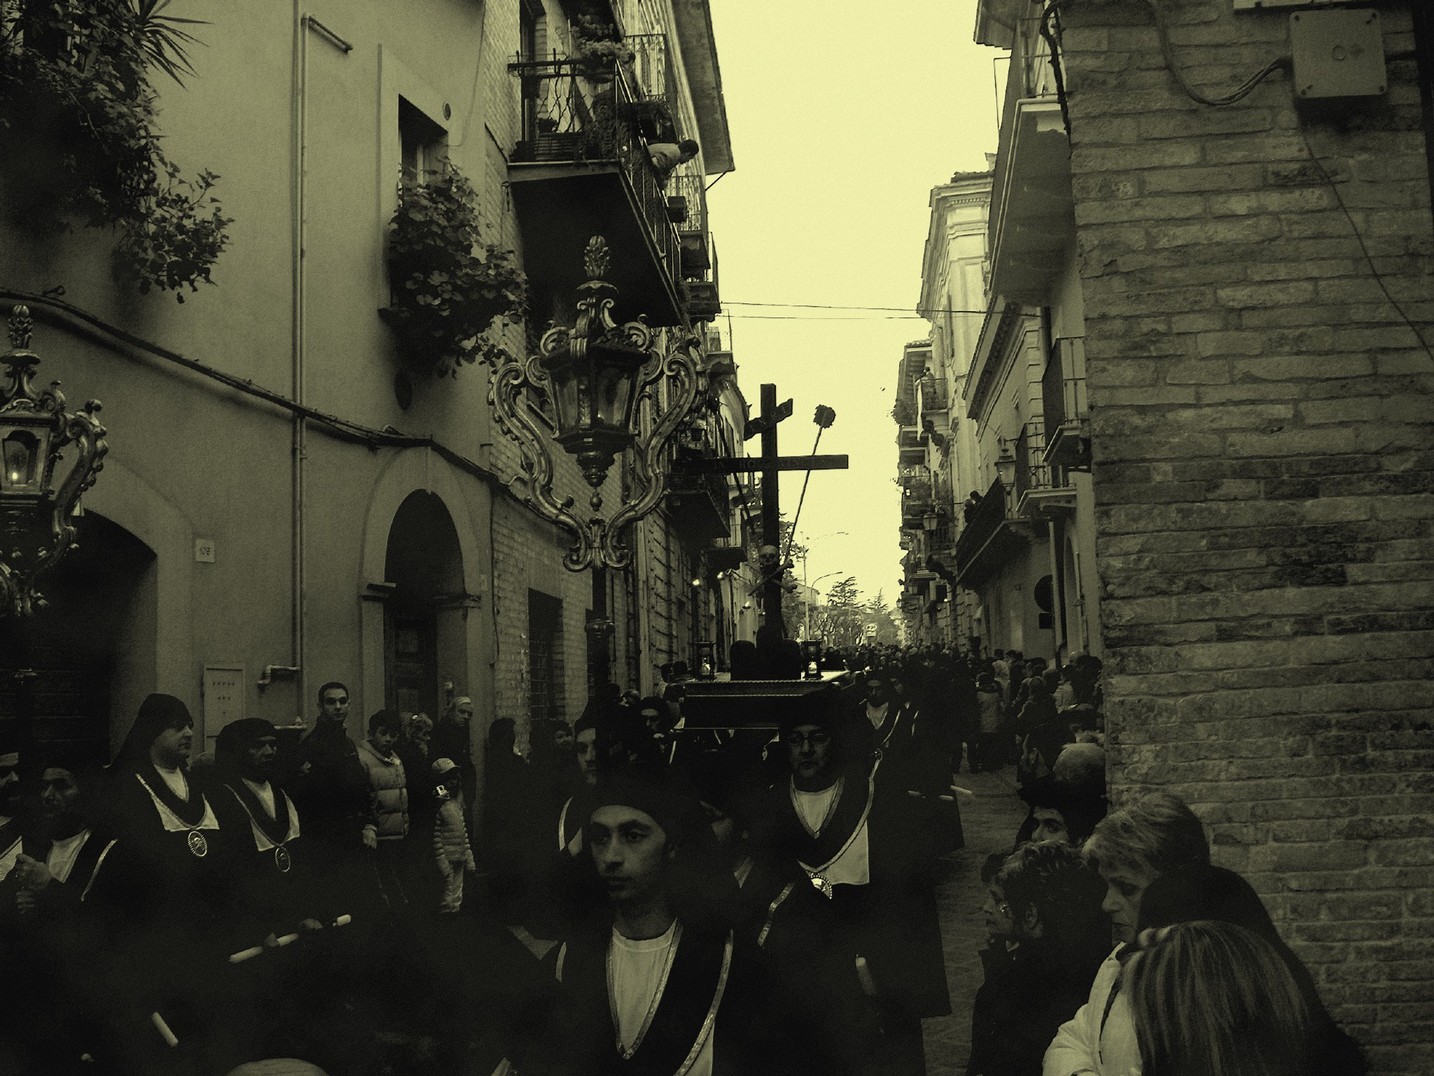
(281, 901)
(862, 843)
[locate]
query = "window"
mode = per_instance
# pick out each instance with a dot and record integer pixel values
(545, 665)
(423, 144)
(532, 33)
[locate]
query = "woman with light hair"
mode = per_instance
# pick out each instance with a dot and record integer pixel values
(1130, 848)
(1214, 999)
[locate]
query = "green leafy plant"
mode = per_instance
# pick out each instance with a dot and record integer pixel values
(79, 139)
(595, 43)
(447, 286)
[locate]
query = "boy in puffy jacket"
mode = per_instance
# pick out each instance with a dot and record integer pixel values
(388, 797)
(450, 835)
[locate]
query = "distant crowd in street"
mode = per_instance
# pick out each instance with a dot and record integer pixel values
(651, 892)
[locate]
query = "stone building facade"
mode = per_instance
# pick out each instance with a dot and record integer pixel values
(284, 502)
(1256, 271)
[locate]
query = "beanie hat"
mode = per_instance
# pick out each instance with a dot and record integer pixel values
(157, 713)
(234, 737)
(650, 788)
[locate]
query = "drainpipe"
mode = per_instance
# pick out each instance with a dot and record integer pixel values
(299, 435)
(1058, 592)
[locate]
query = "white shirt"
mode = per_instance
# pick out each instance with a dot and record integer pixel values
(265, 795)
(815, 806)
(175, 780)
(63, 853)
(636, 975)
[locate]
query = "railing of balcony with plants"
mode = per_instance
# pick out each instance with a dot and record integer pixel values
(931, 394)
(982, 522)
(577, 111)
(1063, 392)
(651, 69)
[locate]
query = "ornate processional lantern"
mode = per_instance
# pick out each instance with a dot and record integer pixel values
(595, 375)
(39, 488)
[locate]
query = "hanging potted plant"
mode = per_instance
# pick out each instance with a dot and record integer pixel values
(79, 142)
(447, 285)
(596, 49)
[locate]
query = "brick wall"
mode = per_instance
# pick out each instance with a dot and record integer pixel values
(1264, 481)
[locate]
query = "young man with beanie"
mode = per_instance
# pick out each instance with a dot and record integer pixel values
(651, 989)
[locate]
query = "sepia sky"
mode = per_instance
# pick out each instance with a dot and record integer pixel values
(841, 124)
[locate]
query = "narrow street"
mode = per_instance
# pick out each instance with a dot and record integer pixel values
(990, 818)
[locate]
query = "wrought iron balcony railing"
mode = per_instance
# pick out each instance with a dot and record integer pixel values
(931, 395)
(577, 112)
(1063, 395)
(981, 525)
(1031, 470)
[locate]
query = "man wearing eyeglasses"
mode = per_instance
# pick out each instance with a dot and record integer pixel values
(863, 847)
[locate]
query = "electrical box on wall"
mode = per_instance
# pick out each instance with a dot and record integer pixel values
(1337, 54)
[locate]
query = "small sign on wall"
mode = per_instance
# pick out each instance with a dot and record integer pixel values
(204, 550)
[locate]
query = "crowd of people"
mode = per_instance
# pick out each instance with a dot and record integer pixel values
(648, 893)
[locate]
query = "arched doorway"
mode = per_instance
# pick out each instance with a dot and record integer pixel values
(424, 638)
(77, 669)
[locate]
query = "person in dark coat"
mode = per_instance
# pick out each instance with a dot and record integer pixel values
(863, 845)
(815, 1001)
(1049, 899)
(173, 947)
(279, 1001)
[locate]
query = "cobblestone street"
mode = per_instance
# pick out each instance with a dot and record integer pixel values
(990, 818)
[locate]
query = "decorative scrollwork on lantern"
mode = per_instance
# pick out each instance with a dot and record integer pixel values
(596, 375)
(38, 507)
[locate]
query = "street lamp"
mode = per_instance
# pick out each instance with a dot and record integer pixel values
(1006, 463)
(595, 374)
(38, 506)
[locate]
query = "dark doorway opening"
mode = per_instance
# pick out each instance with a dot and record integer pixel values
(425, 565)
(89, 651)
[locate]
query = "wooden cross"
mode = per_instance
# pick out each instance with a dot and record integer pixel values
(770, 464)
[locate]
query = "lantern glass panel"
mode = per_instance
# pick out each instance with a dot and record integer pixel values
(567, 404)
(612, 397)
(22, 457)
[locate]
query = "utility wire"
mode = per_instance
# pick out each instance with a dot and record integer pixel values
(838, 306)
(1353, 227)
(341, 428)
(1171, 61)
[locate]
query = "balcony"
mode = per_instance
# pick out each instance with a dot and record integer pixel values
(581, 168)
(1036, 488)
(1032, 210)
(916, 503)
(698, 503)
(989, 539)
(931, 398)
(1066, 412)
(911, 445)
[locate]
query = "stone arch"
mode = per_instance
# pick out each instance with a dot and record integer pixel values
(416, 487)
